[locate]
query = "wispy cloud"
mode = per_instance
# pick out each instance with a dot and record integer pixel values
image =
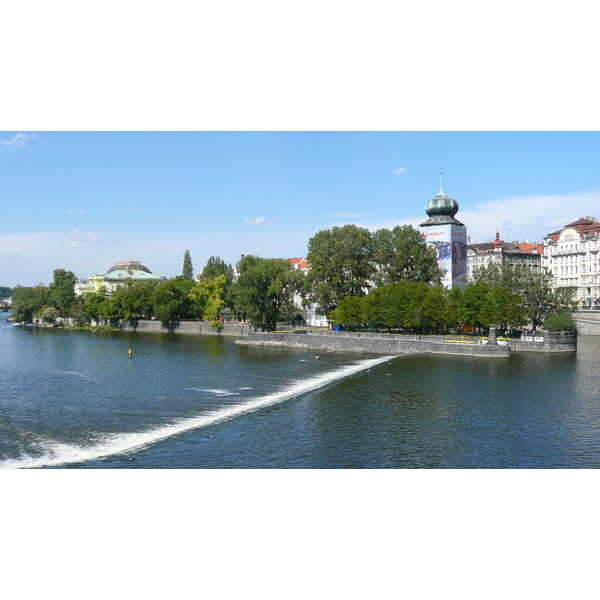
(177, 252)
(75, 212)
(399, 170)
(20, 140)
(255, 221)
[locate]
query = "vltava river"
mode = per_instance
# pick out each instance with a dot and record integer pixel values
(75, 399)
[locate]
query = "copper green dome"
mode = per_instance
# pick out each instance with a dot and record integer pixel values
(441, 210)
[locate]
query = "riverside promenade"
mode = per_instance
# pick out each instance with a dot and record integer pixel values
(368, 343)
(374, 343)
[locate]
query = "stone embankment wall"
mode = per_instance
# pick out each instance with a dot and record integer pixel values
(392, 345)
(193, 327)
(544, 342)
(588, 321)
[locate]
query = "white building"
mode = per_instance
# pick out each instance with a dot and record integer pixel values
(571, 255)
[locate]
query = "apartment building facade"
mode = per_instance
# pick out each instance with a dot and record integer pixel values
(571, 255)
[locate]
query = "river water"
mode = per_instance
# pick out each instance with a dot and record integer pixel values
(74, 399)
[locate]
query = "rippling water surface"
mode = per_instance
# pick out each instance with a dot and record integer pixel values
(75, 399)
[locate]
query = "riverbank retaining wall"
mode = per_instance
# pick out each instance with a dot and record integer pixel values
(192, 327)
(588, 321)
(392, 345)
(545, 342)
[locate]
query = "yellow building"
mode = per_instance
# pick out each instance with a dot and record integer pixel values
(117, 276)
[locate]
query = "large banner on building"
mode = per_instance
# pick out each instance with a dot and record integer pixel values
(449, 242)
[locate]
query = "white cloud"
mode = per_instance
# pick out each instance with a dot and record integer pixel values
(76, 231)
(177, 252)
(527, 217)
(74, 245)
(255, 221)
(131, 209)
(75, 212)
(94, 238)
(400, 170)
(516, 218)
(19, 140)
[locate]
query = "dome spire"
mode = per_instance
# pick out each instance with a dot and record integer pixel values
(441, 209)
(441, 193)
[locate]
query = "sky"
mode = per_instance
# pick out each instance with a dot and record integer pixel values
(83, 200)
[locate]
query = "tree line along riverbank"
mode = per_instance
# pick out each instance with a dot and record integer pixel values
(359, 279)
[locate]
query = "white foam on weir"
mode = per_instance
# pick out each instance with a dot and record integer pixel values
(58, 453)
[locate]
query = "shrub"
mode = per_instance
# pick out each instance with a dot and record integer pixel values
(560, 322)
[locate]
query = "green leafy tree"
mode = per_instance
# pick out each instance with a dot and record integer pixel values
(61, 292)
(133, 301)
(188, 270)
(50, 315)
(471, 301)
(402, 254)
(537, 294)
(503, 308)
(5, 292)
(28, 302)
(172, 302)
(215, 267)
(350, 311)
(94, 304)
(436, 308)
(209, 295)
(562, 321)
(264, 291)
(454, 308)
(341, 264)
(78, 312)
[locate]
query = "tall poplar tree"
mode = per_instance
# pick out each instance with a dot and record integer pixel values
(188, 270)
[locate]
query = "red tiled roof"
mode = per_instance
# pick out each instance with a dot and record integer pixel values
(529, 248)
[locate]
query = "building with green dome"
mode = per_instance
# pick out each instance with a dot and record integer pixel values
(119, 274)
(448, 236)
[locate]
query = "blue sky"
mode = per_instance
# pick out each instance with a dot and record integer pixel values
(83, 200)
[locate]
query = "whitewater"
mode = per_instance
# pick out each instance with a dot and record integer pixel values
(56, 453)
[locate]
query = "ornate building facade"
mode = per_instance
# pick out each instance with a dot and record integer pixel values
(117, 276)
(500, 252)
(571, 255)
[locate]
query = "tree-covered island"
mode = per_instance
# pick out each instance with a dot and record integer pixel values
(387, 279)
